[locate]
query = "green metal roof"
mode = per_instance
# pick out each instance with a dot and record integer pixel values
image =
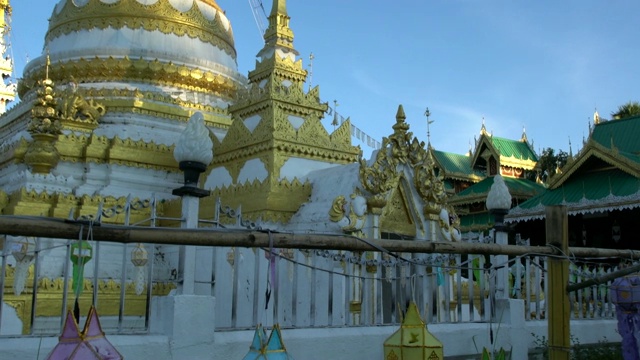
(517, 187)
(625, 134)
(453, 163)
(513, 148)
(588, 187)
(474, 222)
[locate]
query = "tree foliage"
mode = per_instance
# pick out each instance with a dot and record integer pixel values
(629, 109)
(549, 161)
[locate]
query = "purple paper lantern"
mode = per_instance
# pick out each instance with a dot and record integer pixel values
(90, 344)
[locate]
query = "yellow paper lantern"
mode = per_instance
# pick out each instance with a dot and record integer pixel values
(413, 341)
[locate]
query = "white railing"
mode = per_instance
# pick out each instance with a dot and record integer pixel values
(295, 288)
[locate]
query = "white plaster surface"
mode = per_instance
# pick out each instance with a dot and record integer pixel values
(218, 178)
(252, 170)
(327, 184)
(252, 122)
(302, 168)
(358, 343)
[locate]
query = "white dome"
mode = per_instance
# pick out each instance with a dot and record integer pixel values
(177, 43)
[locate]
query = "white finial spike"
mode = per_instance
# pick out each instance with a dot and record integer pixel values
(311, 57)
(427, 113)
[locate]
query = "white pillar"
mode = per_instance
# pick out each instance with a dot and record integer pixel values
(502, 273)
(190, 209)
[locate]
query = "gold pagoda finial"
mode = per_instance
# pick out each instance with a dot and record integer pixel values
(279, 8)
(44, 118)
(596, 117)
(524, 135)
(400, 127)
(400, 116)
(48, 64)
(278, 33)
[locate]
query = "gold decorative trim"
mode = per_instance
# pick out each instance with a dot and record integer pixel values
(517, 163)
(268, 200)
(42, 155)
(160, 16)
(399, 215)
(399, 149)
(28, 202)
(50, 293)
(127, 152)
(142, 70)
(156, 104)
(59, 205)
(595, 149)
(275, 132)
(76, 112)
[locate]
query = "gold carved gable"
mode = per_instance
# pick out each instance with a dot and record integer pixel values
(397, 215)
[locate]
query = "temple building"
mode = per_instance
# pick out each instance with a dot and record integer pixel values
(130, 98)
(98, 123)
(600, 186)
(469, 177)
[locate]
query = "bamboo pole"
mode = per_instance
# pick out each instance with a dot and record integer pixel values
(56, 228)
(557, 231)
(604, 279)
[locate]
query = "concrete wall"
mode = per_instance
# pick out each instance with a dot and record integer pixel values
(461, 341)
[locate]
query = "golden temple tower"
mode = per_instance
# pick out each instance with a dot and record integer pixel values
(277, 136)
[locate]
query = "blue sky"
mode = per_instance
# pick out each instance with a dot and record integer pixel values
(542, 65)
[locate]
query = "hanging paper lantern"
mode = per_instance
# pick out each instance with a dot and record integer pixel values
(23, 250)
(413, 341)
(272, 349)
(258, 344)
(139, 258)
(90, 344)
(81, 253)
(625, 294)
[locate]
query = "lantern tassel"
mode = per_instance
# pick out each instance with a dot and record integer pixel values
(78, 279)
(76, 310)
(20, 276)
(139, 279)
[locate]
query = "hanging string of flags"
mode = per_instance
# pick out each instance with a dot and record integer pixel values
(356, 132)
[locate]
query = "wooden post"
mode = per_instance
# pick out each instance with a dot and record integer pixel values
(557, 231)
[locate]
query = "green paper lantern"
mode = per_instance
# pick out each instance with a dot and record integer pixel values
(413, 341)
(81, 253)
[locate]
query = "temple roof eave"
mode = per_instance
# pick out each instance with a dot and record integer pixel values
(584, 206)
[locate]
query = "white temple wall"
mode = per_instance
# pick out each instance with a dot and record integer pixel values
(329, 343)
(300, 168)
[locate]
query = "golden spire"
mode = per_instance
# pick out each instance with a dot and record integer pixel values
(43, 114)
(279, 34)
(278, 7)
